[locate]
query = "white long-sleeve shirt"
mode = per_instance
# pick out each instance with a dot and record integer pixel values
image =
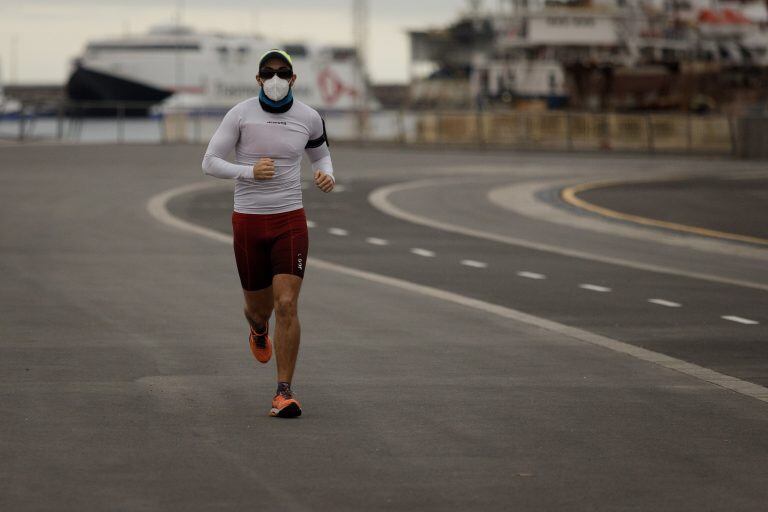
(255, 133)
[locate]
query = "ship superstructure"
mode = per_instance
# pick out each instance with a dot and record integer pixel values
(179, 67)
(601, 54)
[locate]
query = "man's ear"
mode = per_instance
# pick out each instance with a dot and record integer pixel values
(259, 81)
(293, 80)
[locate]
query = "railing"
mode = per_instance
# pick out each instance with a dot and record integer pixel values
(573, 131)
(103, 121)
(549, 130)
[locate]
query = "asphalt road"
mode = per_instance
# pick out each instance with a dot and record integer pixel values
(736, 205)
(127, 383)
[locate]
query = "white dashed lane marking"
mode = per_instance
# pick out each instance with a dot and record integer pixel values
(667, 303)
(426, 253)
(594, 288)
(423, 252)
(740, 320)
(157, 207)
(531, 275)
(339, 188)
(311, 224)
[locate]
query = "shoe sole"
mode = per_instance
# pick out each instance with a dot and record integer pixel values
(289, 411)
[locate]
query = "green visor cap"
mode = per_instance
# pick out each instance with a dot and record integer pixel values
(276, 54)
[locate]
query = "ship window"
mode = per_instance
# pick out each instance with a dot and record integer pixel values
(296, 50)
(144, 47)
(583, 21)
(342, 53)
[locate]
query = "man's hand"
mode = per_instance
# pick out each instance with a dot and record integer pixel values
(264, 169)
(323, 181)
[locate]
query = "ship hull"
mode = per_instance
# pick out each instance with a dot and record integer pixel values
(118, 95)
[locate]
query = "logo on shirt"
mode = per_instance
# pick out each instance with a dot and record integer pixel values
(277, 122)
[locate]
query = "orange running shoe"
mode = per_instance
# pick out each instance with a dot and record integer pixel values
(284, 405)
(261, 345)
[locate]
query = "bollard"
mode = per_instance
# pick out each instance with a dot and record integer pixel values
(121, 123)
(649, 127)
(60, 122)
(21, 125)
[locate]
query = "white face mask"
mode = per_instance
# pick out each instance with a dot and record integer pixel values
(276, 88)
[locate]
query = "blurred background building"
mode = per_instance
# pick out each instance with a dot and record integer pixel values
(599, 55)
(639, 75)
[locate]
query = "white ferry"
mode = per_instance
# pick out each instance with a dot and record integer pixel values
(177, 67)
(8, 106)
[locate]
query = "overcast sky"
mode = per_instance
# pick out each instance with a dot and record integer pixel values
(49, 33)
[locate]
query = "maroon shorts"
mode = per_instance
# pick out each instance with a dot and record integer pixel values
(269, 244)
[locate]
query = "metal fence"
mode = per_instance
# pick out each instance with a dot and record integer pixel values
(679, 133)
(568, 131)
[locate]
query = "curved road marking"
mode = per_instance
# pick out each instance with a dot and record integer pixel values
(157, 208)
(379, 198)
(523, 199)
(570, 196)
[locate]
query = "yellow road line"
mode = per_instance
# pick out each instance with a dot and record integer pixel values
(570, 195)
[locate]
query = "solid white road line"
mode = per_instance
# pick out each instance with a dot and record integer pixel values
(423, 252)
(474, 264)
(667, 303)
(379, 199)
(376, 241)
(311, 224)
(595, 288)
(740, 320)
(338, 231)
(531, 275)
(157, 207)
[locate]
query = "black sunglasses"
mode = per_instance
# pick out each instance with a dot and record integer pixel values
(267, 73)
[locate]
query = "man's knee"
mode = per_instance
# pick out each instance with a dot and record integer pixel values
(285, 306)
(259, 315)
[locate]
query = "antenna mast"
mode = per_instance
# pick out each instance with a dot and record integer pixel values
(360, 34)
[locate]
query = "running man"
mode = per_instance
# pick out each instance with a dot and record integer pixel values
(269, 134)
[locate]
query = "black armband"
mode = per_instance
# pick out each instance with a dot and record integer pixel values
(316, 143)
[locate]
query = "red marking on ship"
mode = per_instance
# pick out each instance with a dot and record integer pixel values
(332, 88)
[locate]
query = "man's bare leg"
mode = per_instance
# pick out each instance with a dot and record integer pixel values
(258, 308)
(286, 289)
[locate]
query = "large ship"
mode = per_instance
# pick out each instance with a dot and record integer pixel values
(176, 67)
(8, 106)
(595, 55)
